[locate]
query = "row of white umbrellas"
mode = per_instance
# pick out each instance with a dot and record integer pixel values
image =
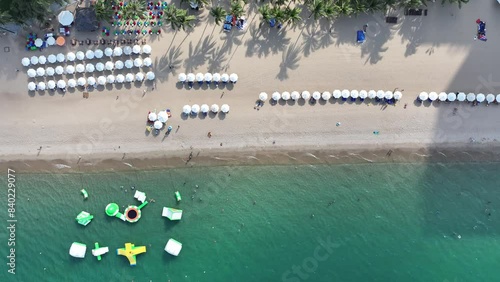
(337, 94)
(82, 81)
(461, 96)
(195, 109)
(81, 68)
(88, 55)
(208, 77)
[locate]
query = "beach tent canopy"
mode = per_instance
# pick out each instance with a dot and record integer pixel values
(225, 108)
(163, 116)
(186, 109)
(452, 96)
(65, 18)
(204, 108)
(285, 96)
(25, 61)
(276, 96)
(214, 108)
(305, 95)
(263, 96)
(86, 19)
(173, 247)
(78, 250)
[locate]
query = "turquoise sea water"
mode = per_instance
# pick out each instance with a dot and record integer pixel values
(372, 222)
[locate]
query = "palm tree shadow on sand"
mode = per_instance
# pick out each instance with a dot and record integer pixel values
(200, 54)
(218, 58)
(290, 60)
(265, 41)
(162, 65)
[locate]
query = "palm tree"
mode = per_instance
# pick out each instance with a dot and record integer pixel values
(5, 17)
(23, 11)
(278, 14)
(200, 3)
(317, 9)
(330, 10)
(292, 15)
(265, 12)
(459, 2)
(103, 11)
(344, 7)
(374, 5)
(218, 13)
(179, 18)
(135, 9)
(236, 9)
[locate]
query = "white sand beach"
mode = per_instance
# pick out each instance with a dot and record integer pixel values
(421, 53)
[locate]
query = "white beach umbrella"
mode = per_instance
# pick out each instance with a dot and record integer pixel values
(337, 94)
(109, 66)
(70, 57)
(354, 94)
(224, 77)
(101, 80)
(80, 56)
(346, 93)
(65, 18)
(490, 98)
(81, 81)
(316, 95)
(80, 68)
(99, 66)
(127, 50)
(208, 77)
(152, 116)
(497, 98)
(89, 68)
(61, 84)
(433, 96)
(182, 77)
(70, 69)
(51, 41)
(452, 96)
(139, 76)
(372, 94)
(129, 77)
(423, 96)
(305, 95)
(158, 124)
(120, 78)
(118, 51)
(150, 75)
(108, 52)
(200, 77)
(380, 94)
(59, 70)
(163, 116)
(34, 60)
(442, 96)
(138, 62)
(216, 77)
(388, 95)
(147, 62)
(204, 108)
(119, 65)
(40, 71)
(190, 77)
(461, 96)
(60, 57)
(480, 97)
(71, 83)
(471, 97)
(186, 109)
(285, 96)
(225, 108)
(233, 78)
(195, 109)
(295, 95)
(42, 60)
(326, 95)
(25, 61)
(31, 86)
(146, 49)
(89, 54)
(110, 79)
(276, 96)
(214, 108)
(51, 84)
(41, 85)
(398, 95)
(52, 58)
(49, 71)
(263, 96)
(98, 53)
(91, 80)
(129, 64)
(38, 42)
(136, 49)
(363, 94)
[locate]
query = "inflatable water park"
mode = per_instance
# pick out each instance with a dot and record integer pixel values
(131, 214)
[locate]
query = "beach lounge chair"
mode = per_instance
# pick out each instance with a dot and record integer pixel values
(228, 23)
(360, 36)
(272, 22)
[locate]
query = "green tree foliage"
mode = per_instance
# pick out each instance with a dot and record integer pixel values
(179, 18)
(23, 11)
(218, 13)
(103, 10)
(134, 10)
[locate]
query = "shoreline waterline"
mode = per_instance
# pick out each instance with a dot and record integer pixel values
(279, 155)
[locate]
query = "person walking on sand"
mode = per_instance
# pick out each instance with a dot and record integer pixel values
(209, 134)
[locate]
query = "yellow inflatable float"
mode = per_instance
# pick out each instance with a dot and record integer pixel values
(130, 251)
